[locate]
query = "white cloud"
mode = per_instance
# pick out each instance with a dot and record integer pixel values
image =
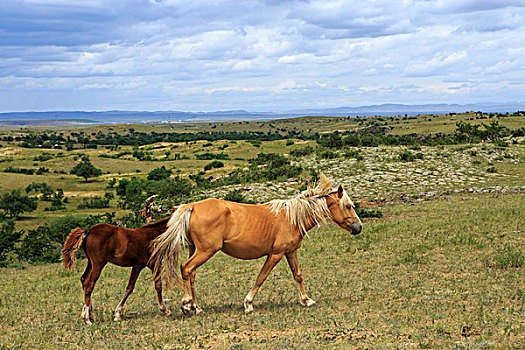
(200, 55)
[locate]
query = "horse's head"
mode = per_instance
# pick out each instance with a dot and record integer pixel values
(342, 211)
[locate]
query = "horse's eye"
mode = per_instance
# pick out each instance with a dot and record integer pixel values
(348, 206)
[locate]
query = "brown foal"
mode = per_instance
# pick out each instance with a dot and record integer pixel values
(274, 229)
(105, 243)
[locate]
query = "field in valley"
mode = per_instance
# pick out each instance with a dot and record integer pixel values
(444, 267)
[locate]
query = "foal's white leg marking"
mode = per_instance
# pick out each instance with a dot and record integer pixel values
(117, 312)
(86, 317)
(248, 301)
(307, 302)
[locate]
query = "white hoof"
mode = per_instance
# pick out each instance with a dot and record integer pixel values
(186, 309)
(198, 310)
(86, 316)
(307, 302)
(248, 307)
(166, 312)
(117, 318)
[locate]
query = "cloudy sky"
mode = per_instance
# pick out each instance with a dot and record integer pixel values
(258, 55)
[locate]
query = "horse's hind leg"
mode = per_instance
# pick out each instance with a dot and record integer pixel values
(188, 272)
(194, 305)
(135, 272)
(270, 263)
(89, 285)
(296, 272)
(86, 273)
(158, 287)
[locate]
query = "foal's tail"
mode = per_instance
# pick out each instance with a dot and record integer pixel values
(167, 246)
(69, 252)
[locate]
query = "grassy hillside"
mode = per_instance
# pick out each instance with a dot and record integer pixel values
(435, 275)
(443, 268)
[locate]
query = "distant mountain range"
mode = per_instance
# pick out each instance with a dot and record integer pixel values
(83, 117)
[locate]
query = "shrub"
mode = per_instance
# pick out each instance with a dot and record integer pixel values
(354, 153)
(24, 171)
(237, 196)
(41, 171)
(14, 204)
(43, 157)
(213, 165)
(302, 151)
(159, 174)
(327, 154)
(8, 237)
(210, 156)
(407, 156)
(492, 169)
(96, 202)
(367, 213)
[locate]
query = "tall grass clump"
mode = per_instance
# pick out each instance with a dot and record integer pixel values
(507, 257)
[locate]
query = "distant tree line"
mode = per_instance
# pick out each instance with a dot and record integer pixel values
(83, 140)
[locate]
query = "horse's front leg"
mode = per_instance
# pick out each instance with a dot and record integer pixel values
(296, 272)
(268, 266)
(135, 272)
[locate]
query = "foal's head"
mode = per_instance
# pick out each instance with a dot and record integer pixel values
(342, 211)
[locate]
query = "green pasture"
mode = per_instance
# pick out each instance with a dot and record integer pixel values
(437, 275)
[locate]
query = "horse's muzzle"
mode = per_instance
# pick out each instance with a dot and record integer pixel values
(356, 228)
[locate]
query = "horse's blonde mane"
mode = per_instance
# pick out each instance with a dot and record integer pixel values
(308, 206)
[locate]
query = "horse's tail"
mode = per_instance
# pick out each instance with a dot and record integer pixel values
(167, 246)
(69, 252)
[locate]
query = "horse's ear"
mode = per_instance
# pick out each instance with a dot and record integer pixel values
(340, 191)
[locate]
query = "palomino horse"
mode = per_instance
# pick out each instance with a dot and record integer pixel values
(105, 243)
(274, 229)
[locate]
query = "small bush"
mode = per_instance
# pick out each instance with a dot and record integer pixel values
(24, 171)
(43, 157)
(159, 174)
(8, 237)
(210, 156)
(492, 169)
(367, 213)
(302, 151)
(213, 165)
(328, 154)
(355, 154)
(96, 202)
(237, 196)
(407, 156)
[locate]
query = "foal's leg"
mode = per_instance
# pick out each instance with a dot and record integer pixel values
(135, 272)
(270, 263)
(158, 287)
(296, 272)
(188, 271)
(86, 273)
(89, 285)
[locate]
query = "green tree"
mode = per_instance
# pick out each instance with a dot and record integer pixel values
(8, 237)
(86, 170)
(14, 204)
(159, 174)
